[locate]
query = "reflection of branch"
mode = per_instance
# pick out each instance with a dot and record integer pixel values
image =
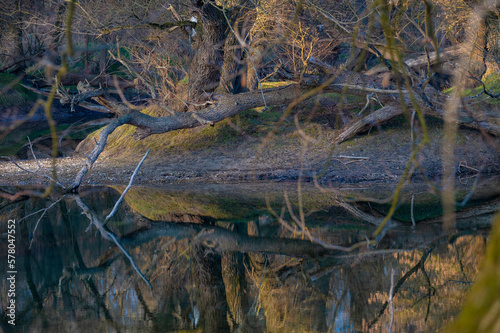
(314, 239)
(251, 316)
(413, 270)
(478, 216)
(391, 305)
(293, 230)
(222, 239)
(304, 231)
(40, 218)
(108, 235)
(457, 255)
(376, 221)
(430, 290)
(19, 196)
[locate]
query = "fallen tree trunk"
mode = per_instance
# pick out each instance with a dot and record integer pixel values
(428, 100)
(448, 54)
(72, 79)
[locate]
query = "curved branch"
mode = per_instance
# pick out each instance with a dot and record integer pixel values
(96, 152)
(161, 26)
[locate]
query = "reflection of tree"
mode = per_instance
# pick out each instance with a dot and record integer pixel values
(29, 274)
(50, 272)
(226, 266)
(233, 272)
(207, 276)
(420, 266)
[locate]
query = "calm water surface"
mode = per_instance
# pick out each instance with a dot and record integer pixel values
(239, 258)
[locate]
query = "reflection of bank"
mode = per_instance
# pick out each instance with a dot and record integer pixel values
(220, 275)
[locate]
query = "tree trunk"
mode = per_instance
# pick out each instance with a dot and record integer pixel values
(233, 273)
(230, 66)
(209, 38)
(57, 35)
(254, 63)
(16, 31)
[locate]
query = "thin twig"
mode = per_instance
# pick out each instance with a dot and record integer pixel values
(118, 202)
(130, 258)
(391, 305)
(29, 171)
(412, 216)
(40, 218)
(352, 157)
(39, 166)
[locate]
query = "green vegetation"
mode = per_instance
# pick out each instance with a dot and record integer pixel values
(238, 204)
(492, 84)
(482, 309)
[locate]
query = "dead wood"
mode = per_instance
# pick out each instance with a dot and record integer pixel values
(426, 99)
(380, 116)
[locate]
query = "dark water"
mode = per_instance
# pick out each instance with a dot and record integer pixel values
(219, 259)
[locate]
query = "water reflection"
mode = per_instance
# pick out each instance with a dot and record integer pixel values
(218, 260)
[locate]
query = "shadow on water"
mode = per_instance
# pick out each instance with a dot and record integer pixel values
(229, 258)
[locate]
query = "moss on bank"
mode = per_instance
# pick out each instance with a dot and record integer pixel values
(315, 117)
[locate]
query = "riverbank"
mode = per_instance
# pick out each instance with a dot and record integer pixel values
(379, 156)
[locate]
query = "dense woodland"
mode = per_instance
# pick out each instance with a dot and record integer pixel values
(162, 66)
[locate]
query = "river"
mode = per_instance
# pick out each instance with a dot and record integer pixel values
(246, 257)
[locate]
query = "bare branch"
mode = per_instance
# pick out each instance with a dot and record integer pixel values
(44, 211)
(135, 73)
(39, 166)
(33, 172)
(110, 215)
